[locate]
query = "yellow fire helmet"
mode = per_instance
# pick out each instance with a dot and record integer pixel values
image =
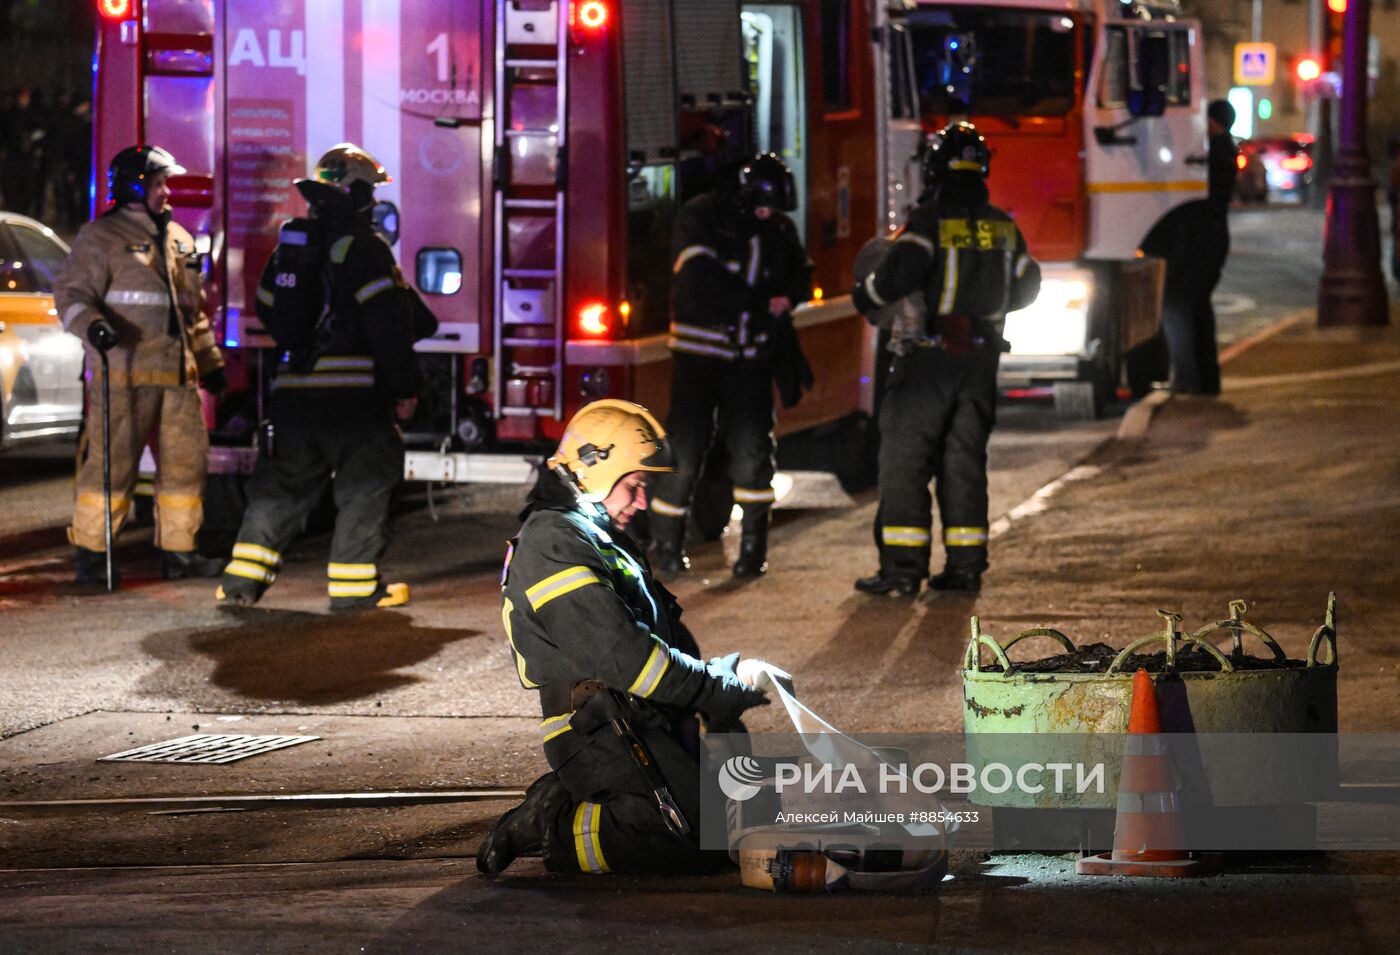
(344, 171)
(607, 440)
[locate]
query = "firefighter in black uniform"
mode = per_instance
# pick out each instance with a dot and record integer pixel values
(334, 401)
(602, 642)
(970, 262)
(739, 270)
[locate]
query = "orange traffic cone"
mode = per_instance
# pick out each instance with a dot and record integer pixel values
(1147, 834)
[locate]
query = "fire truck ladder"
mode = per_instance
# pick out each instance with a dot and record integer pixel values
(528, 264)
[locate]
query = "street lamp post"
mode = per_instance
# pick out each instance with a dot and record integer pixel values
(1352, 291)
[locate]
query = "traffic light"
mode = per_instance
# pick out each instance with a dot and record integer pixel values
(1307, 69)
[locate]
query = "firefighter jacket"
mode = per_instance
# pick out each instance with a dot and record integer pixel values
(726, 265)
(965, 255)
(579, 604)
(364, 346)
(144, 277)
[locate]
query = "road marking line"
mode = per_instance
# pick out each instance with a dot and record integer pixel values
(1039, 501)
(1235, 350)
(1332, 374)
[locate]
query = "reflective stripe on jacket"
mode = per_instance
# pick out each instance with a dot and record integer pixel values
(151, 291)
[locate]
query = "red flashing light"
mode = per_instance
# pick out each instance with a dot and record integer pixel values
(1308, 69)
(1296, 163)
(592, 15)
(593, 320)
(117, 9)
(1337, 6)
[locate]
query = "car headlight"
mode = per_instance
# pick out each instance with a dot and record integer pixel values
(1056, 323)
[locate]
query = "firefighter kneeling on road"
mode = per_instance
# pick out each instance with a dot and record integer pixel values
(619, 677)
(131, 288)
(334, 301)
(969, 261)
(739, 269)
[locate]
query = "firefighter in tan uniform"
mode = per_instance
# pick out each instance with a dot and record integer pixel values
(131, 288)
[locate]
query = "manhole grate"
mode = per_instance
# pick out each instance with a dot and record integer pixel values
(206, 748)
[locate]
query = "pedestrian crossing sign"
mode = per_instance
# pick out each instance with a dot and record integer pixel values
(1255, 64)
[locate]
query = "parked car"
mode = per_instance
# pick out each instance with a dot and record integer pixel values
(1288, 166)
(41, 365)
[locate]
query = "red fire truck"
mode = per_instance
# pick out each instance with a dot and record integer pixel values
(541, 148)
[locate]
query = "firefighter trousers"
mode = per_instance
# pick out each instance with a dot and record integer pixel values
(610, 821)
(363, 455)
(172, 421)
(730, 402)
(936, 417)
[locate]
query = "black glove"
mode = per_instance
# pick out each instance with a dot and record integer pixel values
(725, 697)
(102, 334)
(214, 382)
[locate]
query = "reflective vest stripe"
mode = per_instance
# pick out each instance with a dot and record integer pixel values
(341, 248)
(371, 289)
(950, 283)
(922, 242)
(525, 681)
(905, 536)
(123, 296)
(655, 668)
(682, 330)
(695, 348)
(690, 252)
(335, 363)
(564, 582)
(870, 290)
(588, 819)
(323, 381)
(266, 297)
(555, 725)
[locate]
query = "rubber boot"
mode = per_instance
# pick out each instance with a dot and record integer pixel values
(524, 829)
(956, 580)
(90, 569)
(669, 557)
(189, 564)
(753, 543)
(895, 585)
(387, 595)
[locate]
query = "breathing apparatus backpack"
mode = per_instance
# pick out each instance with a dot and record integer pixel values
(301, 287)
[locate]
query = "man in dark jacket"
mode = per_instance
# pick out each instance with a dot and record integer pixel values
(740, 269)
(334, 403)
(602, 642)
(969, 261)
(1194, 239)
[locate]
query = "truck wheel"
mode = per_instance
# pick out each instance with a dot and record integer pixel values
(1078, 400)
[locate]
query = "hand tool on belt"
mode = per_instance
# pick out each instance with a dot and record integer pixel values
(612, 706)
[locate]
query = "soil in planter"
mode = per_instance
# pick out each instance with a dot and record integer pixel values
(1096, 657)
